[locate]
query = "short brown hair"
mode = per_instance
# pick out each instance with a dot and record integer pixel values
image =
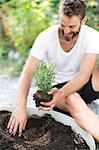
(73, 8)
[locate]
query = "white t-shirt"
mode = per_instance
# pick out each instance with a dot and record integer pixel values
(47, 47)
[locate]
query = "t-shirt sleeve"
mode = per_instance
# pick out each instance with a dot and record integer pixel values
(39, 47)
(93, 43)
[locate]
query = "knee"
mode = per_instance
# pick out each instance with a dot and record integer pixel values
(75, 103)
(72, 99)
(95, 79)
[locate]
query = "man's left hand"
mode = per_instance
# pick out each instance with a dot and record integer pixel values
(58, 95)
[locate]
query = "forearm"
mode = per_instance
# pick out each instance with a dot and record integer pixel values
(25, 81)
(75, 84)
(22, 90)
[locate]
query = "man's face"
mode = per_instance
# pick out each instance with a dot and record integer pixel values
(70, 27)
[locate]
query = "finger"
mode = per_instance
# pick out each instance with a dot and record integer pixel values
(9, 123)
(48, 104)
(24, 125)
(20, 129)
(52, 91)
(12, 125)
(47, 108)
(15, 128)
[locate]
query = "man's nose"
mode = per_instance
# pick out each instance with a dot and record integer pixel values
(67, 30)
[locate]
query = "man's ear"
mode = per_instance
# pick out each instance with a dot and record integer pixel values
(84, 20)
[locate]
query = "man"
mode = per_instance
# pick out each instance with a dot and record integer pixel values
(73, 47)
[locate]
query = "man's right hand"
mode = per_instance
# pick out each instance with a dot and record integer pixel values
(17, 120)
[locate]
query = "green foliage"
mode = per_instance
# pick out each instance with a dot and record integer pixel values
(45, 76)
(93, 20)
(28, 18)
(17, 67)
(6, 66)
(4, 48)
(93, 14)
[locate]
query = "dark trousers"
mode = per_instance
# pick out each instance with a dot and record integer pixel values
(86, 92)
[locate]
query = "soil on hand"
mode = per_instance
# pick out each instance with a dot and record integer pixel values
(41, 133)
(41, 96)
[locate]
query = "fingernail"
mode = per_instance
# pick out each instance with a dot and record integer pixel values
(19, 135)
(10, 131)
(7, 126)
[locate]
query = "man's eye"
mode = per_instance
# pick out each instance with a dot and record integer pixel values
(62, 25)
(72, 27)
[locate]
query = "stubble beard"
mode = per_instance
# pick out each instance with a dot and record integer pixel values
(72, 35)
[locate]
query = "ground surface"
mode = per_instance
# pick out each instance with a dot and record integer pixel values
(8, 87)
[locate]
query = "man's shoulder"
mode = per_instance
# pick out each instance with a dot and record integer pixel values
(50, 30)
(89, 30)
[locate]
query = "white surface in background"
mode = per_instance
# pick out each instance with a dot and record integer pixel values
(8, 88)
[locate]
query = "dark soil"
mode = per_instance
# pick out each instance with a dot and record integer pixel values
(42, 133)
(41, 96)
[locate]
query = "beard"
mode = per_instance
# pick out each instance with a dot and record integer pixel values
(70, 36)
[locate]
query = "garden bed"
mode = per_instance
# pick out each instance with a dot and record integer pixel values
(42, 133)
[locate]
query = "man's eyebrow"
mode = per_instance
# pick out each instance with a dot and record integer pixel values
(62, 23)
(72, 25)
(69, 26)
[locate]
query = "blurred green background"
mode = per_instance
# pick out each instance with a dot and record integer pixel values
(20, 23)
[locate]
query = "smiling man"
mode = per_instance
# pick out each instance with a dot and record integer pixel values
(72, 47)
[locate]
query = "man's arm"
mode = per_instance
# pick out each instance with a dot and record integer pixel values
(75, 84)
(18, 117)
(25, 80)
(86, 69)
